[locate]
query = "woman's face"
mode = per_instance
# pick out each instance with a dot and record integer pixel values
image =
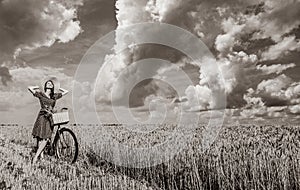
(49, 84)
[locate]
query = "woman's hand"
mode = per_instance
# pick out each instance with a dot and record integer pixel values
(64, 91)
(33, 89)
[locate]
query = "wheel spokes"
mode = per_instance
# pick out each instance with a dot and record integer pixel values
(65, 145)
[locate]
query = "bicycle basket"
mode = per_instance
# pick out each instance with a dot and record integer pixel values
(61, 117)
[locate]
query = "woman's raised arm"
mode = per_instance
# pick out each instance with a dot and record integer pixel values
(33, 89)
(64, 91)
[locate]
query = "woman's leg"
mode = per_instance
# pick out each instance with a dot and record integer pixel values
(42, 144)
(42, 153)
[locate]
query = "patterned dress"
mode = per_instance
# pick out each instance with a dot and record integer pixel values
(43, 125)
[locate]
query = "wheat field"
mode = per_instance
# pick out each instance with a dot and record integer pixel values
(242, 157)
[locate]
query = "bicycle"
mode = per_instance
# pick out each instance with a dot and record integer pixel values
(65, 144)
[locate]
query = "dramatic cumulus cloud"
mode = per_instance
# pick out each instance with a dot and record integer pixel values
(128, 12)
(231, 79)
(243, 35)
(226, 41)
(168, 11)
(270, 22)
(33, 24)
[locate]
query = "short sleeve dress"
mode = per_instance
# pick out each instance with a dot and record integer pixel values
(43, 126)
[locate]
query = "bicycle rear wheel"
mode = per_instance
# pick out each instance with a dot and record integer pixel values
(66, 145)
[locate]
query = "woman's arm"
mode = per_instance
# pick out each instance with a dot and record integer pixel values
(64, 91)
(33, 89)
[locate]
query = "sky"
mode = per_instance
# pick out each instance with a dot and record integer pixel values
(255, 44)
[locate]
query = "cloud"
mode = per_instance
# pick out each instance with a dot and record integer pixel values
(271, 21)
(5, 75)
(36, 23)
(295, 109)
(167, 11)
(279, 91)
(274, 87)
(37, 76)
(278, 68)
(293, 93)
(280, 18)
(120, 65)
(228, 28)
(263, 24)
(199, 98)
(17, 96)
(84, 97)
(256, 107)
(275, 51)
(235, 78)
(132, 12)
(225, 42)
(264, 111)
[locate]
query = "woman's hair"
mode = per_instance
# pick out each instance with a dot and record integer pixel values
(52, 89)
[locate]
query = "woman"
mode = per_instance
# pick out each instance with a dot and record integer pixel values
(43, 126)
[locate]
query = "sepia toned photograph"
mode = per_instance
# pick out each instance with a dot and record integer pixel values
(149, 95)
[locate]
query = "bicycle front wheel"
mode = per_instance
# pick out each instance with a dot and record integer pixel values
(66, 145)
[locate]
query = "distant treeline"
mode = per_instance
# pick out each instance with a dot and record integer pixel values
(74, 124)
(107, 124)
(10, 124)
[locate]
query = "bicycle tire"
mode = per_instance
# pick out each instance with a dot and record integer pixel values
(61, 143)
